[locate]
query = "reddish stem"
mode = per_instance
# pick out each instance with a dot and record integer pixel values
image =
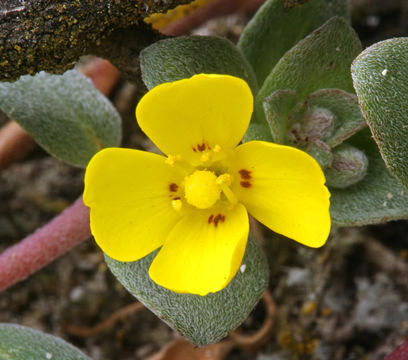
(15, 143)
(102, 73)
(400, 353)
(48, 243)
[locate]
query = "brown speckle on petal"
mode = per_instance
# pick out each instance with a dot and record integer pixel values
(173, 187)
(245, 174)
(219, 218)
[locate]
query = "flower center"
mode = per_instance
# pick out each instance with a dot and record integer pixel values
(201, 189)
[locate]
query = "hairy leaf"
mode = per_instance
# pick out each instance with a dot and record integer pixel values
(182, 57)
(379, 197)
(65, 114)
(380, 75)
(320, 151)
(348, 118)
(277, 108)
(22, 343)
(201, 319)
(274, 30)
(322, 60)
(289, 4)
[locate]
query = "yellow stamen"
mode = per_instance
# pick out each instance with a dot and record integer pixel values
(217, 148)
(177, 204)
(229, 194)
(179, 162)
(171, 160)
(206, 156)
(224, 179)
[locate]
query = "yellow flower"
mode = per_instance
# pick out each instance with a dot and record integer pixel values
(194, 202)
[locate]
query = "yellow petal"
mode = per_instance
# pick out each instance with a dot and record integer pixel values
(203, 252)
(284, 189)
(130, 193)
(192, 117)
(161, 20)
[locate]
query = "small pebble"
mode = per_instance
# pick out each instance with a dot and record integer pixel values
(77, 294)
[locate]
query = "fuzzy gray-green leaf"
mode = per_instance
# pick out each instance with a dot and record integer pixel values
(65, 114)
(22, 343)
(348, 118)
(179, 58)
(349, 166)
(329, 115)
(322, 60)
(380, 77)
(290, 4)
(377, 198)
(201, 319)
(274, 30)
(277, 108)
(320, 151)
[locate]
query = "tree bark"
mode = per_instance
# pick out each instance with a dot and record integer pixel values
(51, 35)
(122, 48)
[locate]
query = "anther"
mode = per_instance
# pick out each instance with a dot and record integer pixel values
(177, 204)
(217, 148)
(206, 156)
(224, 179)
(171, 160)
(179, 162)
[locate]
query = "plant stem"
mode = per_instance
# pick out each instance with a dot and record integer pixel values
(45, 245)
(102, 73)
(15, 143)
(400, 353)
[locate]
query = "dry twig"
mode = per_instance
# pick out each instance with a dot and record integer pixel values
(84, 331)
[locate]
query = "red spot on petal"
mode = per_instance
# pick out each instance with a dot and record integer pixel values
(219, 218)
(173, 187)
(201, 147)
(245, 174)
(210, 219)
(245, 184)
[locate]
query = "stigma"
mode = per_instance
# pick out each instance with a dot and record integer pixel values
(201, 189)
